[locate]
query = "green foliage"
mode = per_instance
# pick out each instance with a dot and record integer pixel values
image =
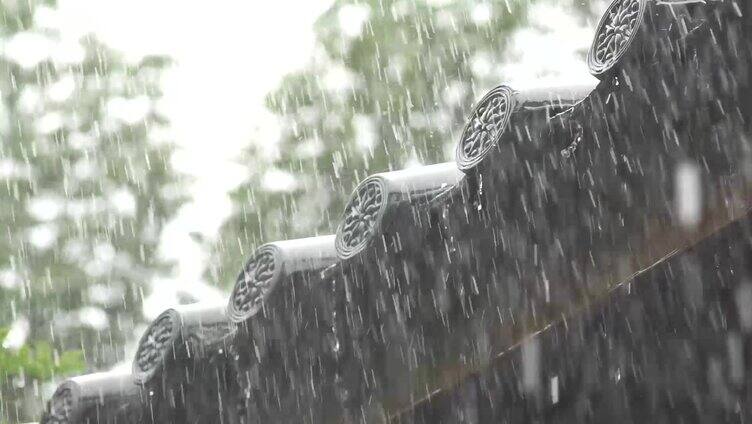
(86, 188)
(39, 361)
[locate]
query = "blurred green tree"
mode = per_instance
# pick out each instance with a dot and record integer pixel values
(85, 188)
(389, 86)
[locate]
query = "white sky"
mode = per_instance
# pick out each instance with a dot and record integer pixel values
(229, 55)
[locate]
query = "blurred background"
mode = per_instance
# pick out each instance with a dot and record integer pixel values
(149, 146)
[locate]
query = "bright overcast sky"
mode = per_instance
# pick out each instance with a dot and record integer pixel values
(229, 55)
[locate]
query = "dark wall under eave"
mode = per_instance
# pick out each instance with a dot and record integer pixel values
(672, 345)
